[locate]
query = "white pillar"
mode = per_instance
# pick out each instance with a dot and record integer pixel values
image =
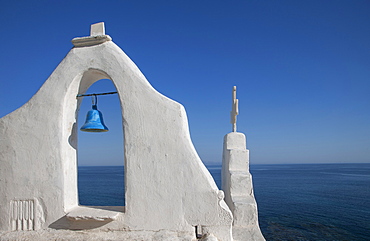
(238, 188)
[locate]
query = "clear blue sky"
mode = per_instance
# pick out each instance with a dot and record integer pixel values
(302, 69)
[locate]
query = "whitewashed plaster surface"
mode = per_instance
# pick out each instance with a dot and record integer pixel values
(238, 188)
(167, 187)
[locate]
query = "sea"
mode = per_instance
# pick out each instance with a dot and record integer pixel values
(295, 201)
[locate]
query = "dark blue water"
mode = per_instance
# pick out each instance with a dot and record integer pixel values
(101, 186)
(295, 202)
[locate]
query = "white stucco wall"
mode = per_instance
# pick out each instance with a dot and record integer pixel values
(167, 187)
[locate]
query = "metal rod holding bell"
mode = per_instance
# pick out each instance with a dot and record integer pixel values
(107, 93)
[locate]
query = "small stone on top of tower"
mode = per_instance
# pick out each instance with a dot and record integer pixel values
(97, 29)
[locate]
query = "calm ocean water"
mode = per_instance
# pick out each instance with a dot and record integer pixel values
(295, 201)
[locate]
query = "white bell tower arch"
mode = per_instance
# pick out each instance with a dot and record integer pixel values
(167, 185)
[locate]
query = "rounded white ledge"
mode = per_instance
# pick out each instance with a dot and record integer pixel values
(90, 40)
(95, 213)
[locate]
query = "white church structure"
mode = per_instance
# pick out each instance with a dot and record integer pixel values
(169, 193)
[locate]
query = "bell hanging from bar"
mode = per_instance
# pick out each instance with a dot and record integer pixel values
(94, 120)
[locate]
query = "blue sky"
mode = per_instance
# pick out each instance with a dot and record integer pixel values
(302, 69)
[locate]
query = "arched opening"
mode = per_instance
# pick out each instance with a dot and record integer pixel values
(100, 156)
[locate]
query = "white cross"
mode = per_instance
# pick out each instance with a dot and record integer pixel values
(234, 109)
